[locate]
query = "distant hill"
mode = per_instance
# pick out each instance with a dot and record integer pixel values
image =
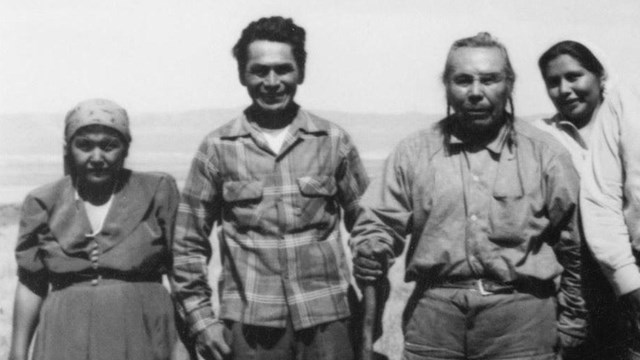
(31, 144)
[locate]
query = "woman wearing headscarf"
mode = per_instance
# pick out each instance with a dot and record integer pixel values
(576, 82)
(92, 248)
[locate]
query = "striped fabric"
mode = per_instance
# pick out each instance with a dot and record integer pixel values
(279, 215)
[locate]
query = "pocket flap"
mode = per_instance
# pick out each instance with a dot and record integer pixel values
(317, 185)
(241, 190)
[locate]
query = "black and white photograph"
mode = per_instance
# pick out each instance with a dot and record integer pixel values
(320, 180)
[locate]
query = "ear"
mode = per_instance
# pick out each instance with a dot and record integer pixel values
(603, 80)
(66, 159)
(241, 76)
(126, 152)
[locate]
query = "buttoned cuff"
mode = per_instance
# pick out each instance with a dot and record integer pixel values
(200, 319)
(626, 279)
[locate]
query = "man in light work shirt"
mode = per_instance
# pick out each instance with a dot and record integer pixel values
(490, 205)
(277, 180)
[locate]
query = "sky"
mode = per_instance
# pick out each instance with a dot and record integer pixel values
(372, 56)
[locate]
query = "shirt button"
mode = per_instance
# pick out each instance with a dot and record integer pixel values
(475, 178)
(474, 217)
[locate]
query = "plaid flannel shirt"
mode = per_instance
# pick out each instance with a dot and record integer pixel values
(281, 248)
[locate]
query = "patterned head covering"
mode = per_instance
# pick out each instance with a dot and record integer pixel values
(97, 112)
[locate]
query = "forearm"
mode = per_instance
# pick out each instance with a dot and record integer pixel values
(26, 311)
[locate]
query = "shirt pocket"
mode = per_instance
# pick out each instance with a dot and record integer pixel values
(316, 205)
(509, 210)
(243, 200)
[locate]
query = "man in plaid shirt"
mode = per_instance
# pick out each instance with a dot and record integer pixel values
(276, 179)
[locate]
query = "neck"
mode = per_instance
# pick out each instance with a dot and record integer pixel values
(272, 120)
(96, 194)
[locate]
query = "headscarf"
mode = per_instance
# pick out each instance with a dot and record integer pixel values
(97, 112)
(94, 112)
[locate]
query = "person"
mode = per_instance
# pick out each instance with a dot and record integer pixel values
(276, 180)
(609, 204)
(576, 81)
(92, 248)
(489, 205)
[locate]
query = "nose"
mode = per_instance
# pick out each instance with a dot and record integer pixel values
(476, 92)
(564, 87)
(96, 157)
(272, 79)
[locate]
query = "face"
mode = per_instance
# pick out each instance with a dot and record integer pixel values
(477, 88)
(574, 90)
(271, 75)
(98, 154)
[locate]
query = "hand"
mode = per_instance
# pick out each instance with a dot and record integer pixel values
(571, 347)
(371, 260)
(212, 344)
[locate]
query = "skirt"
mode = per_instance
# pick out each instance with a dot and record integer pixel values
(114, 320)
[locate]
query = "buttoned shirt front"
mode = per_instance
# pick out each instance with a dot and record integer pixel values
(56, 240)
(573, 139)
(282, 253)
(505, 211)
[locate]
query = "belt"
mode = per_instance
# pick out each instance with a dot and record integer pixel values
(484, 286)
(61, 281)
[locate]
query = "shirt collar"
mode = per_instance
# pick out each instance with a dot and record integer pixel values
(559, 122)
(303, 122)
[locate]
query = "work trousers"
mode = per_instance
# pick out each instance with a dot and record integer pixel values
(328, 341)
(453, 323)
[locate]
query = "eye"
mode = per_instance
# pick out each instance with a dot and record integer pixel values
(259, 70)
(552, 82)
(110, 144)
(83, 144)
(283, 69)
(491, 79)
(463, 80)
(573, 76)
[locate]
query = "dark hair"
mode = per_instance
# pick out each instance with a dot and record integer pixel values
(481, 40)
(275, 28)
(577, 51)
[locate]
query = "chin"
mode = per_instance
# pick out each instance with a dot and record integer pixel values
(97, 181)
(273, 107)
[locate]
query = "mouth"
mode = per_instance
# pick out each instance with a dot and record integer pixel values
(478, 113)
(273, 99)
(98, 173)
(569, 102)
(274, 95)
